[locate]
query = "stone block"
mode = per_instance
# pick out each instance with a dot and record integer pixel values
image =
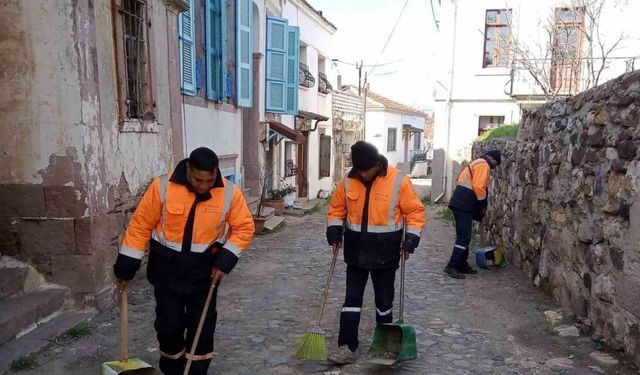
(8, 237)
(98, 233)
(604, 288)
(628, 149)
(65, 201)
(22, 200)
(629, 294)
(617, 257)
(47, 236)
(81, 273)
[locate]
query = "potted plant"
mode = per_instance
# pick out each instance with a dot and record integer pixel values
(277, 196)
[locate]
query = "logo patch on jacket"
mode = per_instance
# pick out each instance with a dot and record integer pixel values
(209, 208)
(381, 197)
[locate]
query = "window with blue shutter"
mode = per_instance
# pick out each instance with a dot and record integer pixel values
(216, 49)
(293, 62)
(244, 49)
(186, 39)
(276, 74)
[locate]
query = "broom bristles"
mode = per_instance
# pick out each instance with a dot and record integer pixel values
(312, 347)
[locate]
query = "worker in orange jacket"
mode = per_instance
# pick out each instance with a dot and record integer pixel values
(468, 203)
(368, 208)
(198, 224)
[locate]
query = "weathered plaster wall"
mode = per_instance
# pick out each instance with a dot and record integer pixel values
(67, 172)
(566, 204)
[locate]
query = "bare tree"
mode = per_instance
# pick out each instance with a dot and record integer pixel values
(573, 40)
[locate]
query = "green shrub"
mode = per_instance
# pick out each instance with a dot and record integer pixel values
(505, 132)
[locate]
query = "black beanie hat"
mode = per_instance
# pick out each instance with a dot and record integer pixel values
(495, 154)
(364, 156)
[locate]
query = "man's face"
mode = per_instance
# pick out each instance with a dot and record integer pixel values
(494, 161)
(368, 175)
(201, 181)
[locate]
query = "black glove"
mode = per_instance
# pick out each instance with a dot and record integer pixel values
(126, 267)
(334, 234)
(225, 260)
(410, 243)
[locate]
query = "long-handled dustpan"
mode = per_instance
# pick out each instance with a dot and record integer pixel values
(126, 365)
(394, 342)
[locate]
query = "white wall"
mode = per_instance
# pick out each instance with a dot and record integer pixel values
(476, 91)
(216, 129)
(315, 36)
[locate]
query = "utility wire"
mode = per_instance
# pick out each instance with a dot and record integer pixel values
(367, 65)
(433, 13)
(390, 35)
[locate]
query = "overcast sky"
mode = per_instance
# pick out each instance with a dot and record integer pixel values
(363, 28)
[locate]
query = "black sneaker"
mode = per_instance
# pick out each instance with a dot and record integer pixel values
(466, 268)
(449, 270)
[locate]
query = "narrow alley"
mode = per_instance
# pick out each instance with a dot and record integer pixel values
(491, 323)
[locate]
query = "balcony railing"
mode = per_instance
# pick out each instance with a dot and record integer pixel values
(305, 77)
(324, 87)
(290, 169)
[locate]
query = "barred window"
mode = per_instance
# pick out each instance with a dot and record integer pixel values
(133, 60)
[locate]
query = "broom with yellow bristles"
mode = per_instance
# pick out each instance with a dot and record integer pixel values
(313, 346)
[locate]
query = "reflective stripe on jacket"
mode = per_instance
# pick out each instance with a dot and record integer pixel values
(390, 197)
(222, 228)
(473, 184)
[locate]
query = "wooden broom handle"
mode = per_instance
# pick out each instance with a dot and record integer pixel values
(196, 338)
(124, 325)
(326, 287)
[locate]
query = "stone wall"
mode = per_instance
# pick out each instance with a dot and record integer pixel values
(566, 204)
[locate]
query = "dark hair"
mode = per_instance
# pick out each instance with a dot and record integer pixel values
(203, 159)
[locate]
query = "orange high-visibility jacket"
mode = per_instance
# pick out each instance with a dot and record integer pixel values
(391, 198)
(162, 213)
(477, 179)
(473, 183)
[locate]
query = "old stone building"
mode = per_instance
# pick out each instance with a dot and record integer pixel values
(89, 111)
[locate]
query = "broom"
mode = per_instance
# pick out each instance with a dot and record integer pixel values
(313, 346)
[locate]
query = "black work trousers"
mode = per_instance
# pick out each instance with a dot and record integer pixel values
(383, 287)
(175, 314)
(460, 253)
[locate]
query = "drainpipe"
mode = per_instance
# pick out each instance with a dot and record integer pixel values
(449, 103)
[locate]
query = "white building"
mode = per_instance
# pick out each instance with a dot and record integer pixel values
(255, 89)
(397, 130)
(488, 50)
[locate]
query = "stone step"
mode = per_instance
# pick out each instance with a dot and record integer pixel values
(40, 337)
(301, 208)
(12, 279)
(268, 212)
(274, 223)
(21, 313)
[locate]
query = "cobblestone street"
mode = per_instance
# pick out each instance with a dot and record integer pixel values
(490, 323)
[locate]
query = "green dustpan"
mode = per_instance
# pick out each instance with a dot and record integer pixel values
(394, 342)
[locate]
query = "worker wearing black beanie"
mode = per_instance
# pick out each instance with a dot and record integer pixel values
(371, 209)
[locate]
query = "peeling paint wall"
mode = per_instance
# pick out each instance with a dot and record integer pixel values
(68, 174)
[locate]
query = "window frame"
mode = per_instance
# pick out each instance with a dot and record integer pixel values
(149, 113)
(395, 139)
(500, 23)
(327, 159)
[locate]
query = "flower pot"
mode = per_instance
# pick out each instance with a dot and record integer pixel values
(258, 221)
(288, 201)
(277, 204)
